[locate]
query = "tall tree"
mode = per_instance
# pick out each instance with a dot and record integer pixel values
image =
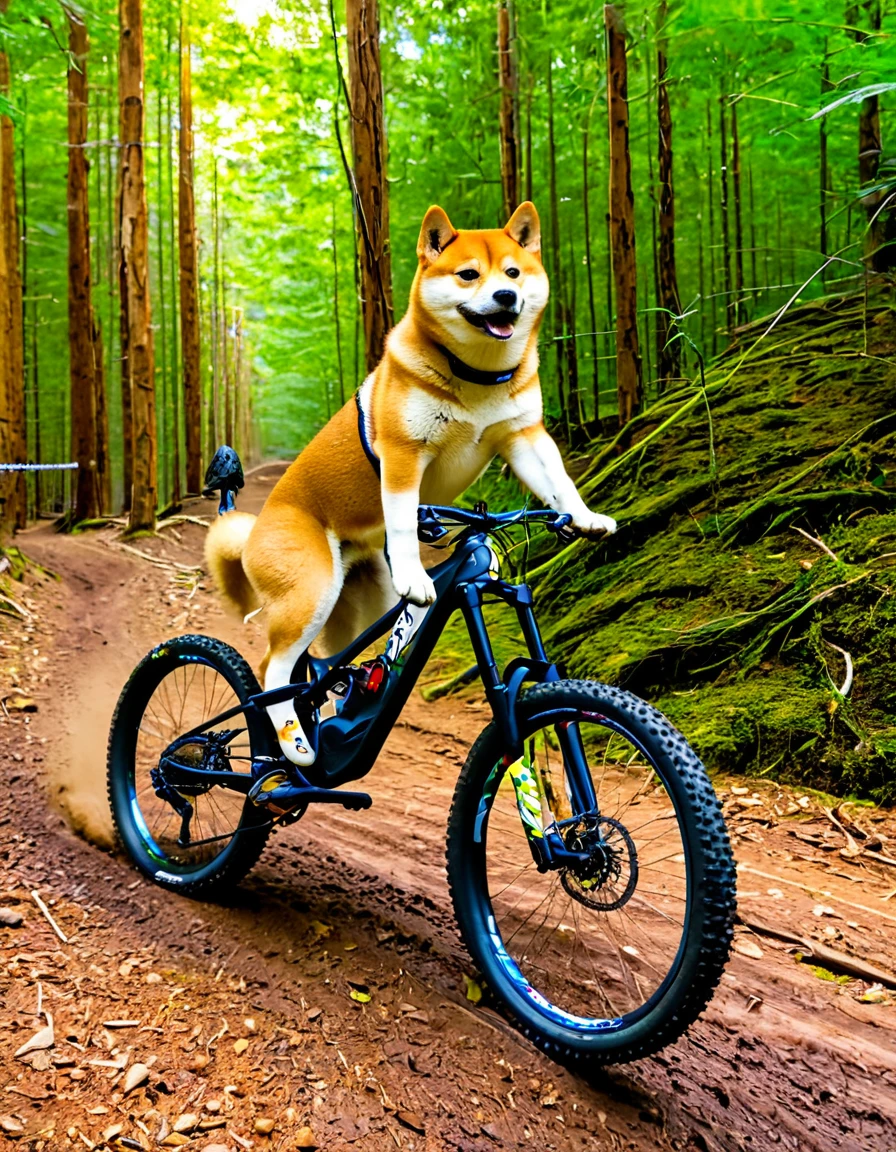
(823, 166)
(589, 259)
(88, 495)
(738, 217)
(558, 311)
(13, 445)
(622, 221)
(877, 257)
(133, 230)
(189, 281)
(668, 350)
(370, 189)
(508, 112)
(725, 206)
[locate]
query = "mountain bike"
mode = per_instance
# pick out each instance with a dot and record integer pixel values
(587, 858)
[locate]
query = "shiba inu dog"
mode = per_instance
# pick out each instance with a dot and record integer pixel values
(457, 385)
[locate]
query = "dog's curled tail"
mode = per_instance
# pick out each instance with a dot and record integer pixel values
(224, 546)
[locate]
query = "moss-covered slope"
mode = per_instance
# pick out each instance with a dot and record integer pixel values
(710, 601)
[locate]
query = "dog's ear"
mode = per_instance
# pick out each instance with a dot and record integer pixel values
(525, 227)
(435, 235)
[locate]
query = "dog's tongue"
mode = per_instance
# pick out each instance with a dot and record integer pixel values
(503, 331)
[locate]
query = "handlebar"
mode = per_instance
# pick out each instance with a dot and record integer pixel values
(434, 521)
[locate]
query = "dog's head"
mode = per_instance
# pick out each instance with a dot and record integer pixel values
(482, 291)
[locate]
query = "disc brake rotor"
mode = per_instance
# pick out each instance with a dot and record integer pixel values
(607, 879)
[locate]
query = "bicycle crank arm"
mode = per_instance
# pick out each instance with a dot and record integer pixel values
(276, 792)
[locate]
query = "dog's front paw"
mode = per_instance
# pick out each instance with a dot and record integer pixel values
(595, 526)
(414, 586)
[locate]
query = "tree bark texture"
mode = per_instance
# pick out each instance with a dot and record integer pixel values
(188, 259)
(13, 443)
(509, 114)
(133, 227)
(622, 222)
(371, 190)
(668, 354)
(81, 329)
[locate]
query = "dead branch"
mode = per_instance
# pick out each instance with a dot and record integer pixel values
(816, 541)
(830, 958)
(46, 911)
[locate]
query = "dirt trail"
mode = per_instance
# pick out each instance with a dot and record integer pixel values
(782, 1059)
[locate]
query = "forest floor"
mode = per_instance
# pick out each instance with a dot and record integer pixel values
(240, 1013)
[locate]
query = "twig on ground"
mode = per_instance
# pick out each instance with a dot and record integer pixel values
(17, 606)
(816, 541)
(830, 958)
(845, 687)
(35, 896)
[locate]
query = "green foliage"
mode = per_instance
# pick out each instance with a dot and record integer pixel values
(266, 102)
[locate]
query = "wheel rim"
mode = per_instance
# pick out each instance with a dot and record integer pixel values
(184, 697)
(594, 951)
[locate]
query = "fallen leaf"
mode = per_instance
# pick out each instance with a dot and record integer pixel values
(186, 1122)
(361, 997)
(136, 1075)
(240, 1046)
(45, 1038)
(411, 1120)
(21, 704)
(474, 992)
(747, 947)
(10, 1125)
(320, 930)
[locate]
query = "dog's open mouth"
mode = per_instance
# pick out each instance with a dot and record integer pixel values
(497, 324)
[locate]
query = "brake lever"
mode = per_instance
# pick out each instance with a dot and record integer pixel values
(563, 528)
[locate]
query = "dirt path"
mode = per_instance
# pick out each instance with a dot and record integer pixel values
(783, 1058)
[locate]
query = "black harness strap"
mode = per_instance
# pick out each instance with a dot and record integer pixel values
(475, 375)
(362, 432)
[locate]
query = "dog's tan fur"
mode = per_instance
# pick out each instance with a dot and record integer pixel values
(314, 557)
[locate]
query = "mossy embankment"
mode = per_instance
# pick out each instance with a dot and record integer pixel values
(711, 600)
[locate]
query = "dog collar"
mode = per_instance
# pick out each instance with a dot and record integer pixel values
(474, 375)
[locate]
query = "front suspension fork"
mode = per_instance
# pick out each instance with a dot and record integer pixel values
(546, 844)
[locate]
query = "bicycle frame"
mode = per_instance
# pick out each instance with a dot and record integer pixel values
(349, 747)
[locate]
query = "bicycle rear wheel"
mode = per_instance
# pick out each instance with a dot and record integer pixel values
(614, 956)
(198, 836)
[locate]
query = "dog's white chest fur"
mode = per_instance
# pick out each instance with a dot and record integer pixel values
(462, 436)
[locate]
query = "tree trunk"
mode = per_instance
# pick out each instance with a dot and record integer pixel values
(823, 170)
(622, 222)
(82, 350)
(13, 443)
(713, 280)
(589, 262)
(557, 308)
(134, 265)
(509, 106)
(730, 312)
(739, 309)
(173, 259)
(370, 187)
(877, 257)
(668, 354)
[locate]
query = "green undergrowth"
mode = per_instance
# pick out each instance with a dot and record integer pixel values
(709, 601)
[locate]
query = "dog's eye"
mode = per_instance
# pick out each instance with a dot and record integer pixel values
(512, 273)
(468, 274)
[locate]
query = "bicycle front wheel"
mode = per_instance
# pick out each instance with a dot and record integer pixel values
(615, 954)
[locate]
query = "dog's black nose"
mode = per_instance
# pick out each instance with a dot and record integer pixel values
(506, 297)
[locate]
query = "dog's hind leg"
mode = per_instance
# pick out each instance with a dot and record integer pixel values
(366, 595)
(296, 566)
